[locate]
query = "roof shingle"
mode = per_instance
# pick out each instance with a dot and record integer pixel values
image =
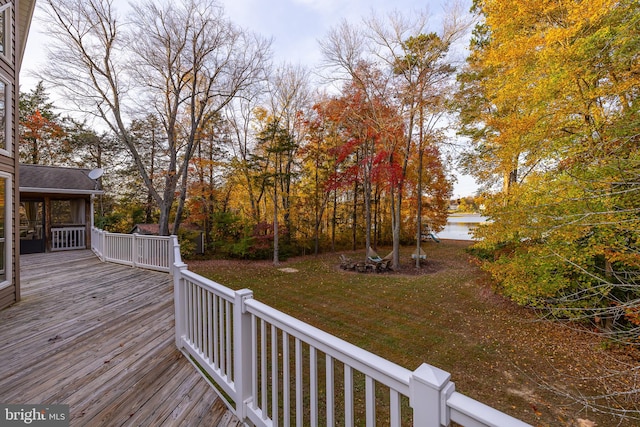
(57, 178)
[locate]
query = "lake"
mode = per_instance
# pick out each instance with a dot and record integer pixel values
(459, 226)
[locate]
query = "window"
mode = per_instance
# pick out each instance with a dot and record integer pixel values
(5, 117)
(5, 113)
(5, 230)
(5, 31)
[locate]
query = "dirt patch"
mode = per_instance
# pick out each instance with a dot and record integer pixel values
(430, 267)
(426, 267)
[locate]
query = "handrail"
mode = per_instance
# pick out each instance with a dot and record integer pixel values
(150, 252)
(466, 411)
(68, 238)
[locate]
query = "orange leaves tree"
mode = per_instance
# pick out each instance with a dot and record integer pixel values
(43, 138)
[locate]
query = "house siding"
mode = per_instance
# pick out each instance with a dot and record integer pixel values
(9, 164)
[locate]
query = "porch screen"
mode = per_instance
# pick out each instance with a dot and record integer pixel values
(68, 212)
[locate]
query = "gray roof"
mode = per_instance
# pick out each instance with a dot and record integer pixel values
(59, 180)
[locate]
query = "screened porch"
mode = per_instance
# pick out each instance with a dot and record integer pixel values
(56, 208)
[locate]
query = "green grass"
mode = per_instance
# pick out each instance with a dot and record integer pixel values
(447, 316)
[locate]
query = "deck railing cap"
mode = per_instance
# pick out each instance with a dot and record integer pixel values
(432, 376)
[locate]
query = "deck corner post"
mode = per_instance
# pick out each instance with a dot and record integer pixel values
(102, 239)
(103, 242)
(176, 258)
(174, 253)
(428, 386)
(179, 301)
(134, 249)
(242, 352)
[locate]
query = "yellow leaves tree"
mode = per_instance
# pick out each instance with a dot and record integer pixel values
(550, 102)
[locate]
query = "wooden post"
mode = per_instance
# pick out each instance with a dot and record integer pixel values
(88, 214)
(427, 387)
(242, 352)
(47, 223)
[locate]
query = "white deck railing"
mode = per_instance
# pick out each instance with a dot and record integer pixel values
(281, 371)
(277, 370)
(151, 252)
(68, 238)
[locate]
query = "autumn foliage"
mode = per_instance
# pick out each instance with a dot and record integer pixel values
(550, 101)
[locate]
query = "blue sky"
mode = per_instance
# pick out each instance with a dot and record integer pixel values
(295, 27)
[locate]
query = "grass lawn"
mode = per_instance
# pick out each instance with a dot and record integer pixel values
(448, 316)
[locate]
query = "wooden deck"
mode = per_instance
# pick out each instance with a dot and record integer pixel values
(100, 338)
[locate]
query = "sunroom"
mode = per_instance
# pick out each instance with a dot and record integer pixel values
(56, 208)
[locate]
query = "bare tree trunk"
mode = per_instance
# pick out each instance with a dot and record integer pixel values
(354, 216)
(419, 198)
(367, 204)
(395, 227)
(334, 219)
(181, 200)
(186, 57)
(152, 171)
(276, 254)
(316, 212)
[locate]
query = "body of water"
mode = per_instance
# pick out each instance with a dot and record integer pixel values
(459, 227)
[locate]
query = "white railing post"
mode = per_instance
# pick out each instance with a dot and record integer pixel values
(174, 248)
(171, 245)
(242, 353)
(134, 249)
(428, 390)
(96, 242)
(103, 238)
(179, 302)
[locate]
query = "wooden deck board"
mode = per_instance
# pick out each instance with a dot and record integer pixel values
(100, 338)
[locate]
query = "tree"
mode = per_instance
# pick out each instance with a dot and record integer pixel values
(149, 136)
(553, 94)
(421, 63)
(288, 98)
(396, 65)
(42, 131)
(319, 159)
(184, 60)
(209, 169)
(275, 143)
(241, 144)
(344, 50)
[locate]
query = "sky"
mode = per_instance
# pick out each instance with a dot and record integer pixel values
(295, 26)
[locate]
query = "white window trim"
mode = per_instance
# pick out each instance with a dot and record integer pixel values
(8, 230)
(8, 120)
(6, 55)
